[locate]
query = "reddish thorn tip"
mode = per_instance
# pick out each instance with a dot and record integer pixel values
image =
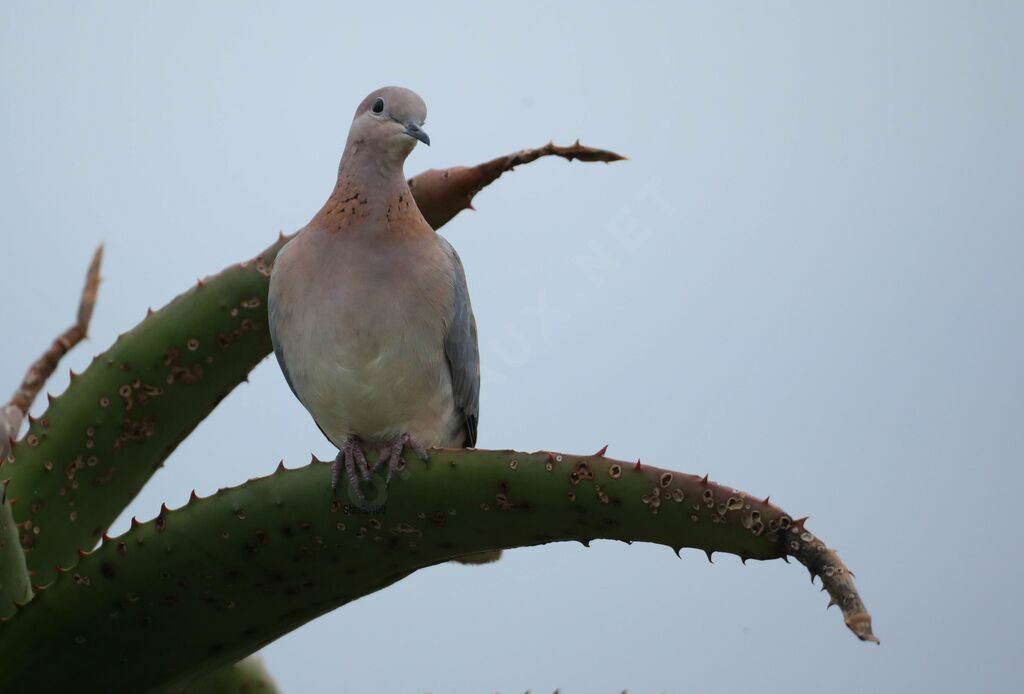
(149, 312)
(135, 522)
(709, 553)
(163, 509)
(193, 496)
(704, 480)
(638, 467)
(765, 502)
(551, 456)
(600, 453)
(81, 553)
(105, 537)
(280, 466)
(49, 398)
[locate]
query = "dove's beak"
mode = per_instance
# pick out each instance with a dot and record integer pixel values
(413, 130)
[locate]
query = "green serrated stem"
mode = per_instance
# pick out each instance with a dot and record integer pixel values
(225, 575)
(98, 443)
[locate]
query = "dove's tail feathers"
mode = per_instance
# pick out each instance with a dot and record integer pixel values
(480, 557)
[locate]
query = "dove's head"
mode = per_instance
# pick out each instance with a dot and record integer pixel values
(389, 120)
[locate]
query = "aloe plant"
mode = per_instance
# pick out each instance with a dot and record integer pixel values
(77, 605)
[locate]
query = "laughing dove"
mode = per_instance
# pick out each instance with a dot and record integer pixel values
(369, 311)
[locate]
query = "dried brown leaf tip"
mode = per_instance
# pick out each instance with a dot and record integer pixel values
(43, 368)
(570, 152)
(443, 193)
(89, 292)
(582, 152)
(825, 564)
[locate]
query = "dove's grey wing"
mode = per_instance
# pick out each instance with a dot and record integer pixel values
(272, 320)
(279, 351)
(460, 347)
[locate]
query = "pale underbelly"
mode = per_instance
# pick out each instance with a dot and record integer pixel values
(381, 396)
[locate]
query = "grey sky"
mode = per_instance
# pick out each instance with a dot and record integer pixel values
(821, 301)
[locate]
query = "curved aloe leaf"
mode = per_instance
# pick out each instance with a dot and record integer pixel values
(98, 443)
(227, 574)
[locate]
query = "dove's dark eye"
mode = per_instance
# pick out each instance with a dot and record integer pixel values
(378, 105)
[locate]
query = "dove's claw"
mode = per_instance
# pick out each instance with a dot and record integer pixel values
(352, 460)
(391, 456)
(417, 448)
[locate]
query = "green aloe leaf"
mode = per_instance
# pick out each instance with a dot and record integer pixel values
(99, 442)
(223, 576)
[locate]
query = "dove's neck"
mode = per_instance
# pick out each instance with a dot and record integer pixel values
(371, 193)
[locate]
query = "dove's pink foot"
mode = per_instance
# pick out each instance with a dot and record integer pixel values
(350, 459)
(391, 456)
